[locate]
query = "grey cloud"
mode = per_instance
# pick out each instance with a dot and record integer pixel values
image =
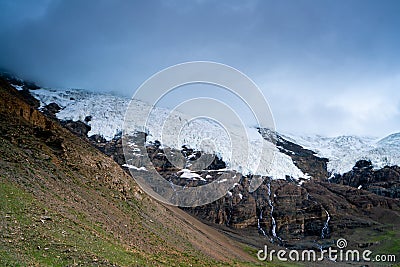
(301, 53)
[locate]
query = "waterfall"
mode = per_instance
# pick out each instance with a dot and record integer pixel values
(325, 229)
(260, 229)
(273, 222)
(228, 221)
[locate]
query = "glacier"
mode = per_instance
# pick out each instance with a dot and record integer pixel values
(108, 112)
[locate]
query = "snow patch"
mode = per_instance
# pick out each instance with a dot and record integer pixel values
(188, 174)
(18, 87)
(134, 167)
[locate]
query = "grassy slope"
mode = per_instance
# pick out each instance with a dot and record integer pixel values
(63, 203)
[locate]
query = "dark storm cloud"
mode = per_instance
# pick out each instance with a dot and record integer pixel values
(115, 44)
(325, 66)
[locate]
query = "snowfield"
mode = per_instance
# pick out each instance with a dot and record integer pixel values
(108, 112)
(344, 151)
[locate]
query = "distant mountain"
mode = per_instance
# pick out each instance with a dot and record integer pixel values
(344, 151)
(391, 142)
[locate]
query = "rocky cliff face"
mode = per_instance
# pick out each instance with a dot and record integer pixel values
(14, 102)
(299, 213)
(383, 182)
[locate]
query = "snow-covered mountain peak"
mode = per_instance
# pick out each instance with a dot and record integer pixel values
(392, 140)
(351, 142)
(344, 151)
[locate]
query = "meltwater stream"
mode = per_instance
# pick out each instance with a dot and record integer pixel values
(273, 222)
(260, 229)
(325, 229)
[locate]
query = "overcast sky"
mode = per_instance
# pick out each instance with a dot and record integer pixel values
(326, 67)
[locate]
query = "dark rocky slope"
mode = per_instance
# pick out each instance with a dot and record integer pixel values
(383, 182)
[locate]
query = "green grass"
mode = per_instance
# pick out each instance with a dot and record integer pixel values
(27, 241)
(389, 244)
(59, 242)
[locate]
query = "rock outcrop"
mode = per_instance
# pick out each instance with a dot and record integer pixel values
(305, 159)
(383, 182)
